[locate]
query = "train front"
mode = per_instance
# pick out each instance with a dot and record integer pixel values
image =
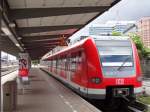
(120, 67)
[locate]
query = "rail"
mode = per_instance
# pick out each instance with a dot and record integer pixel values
(8, 69)
(9, 77)
(138, 107)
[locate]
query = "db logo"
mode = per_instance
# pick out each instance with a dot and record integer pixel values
(119, 81)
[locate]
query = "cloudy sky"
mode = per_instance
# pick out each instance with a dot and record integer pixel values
(124, 10)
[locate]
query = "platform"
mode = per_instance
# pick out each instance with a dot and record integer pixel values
(45, 94)
(146, 86)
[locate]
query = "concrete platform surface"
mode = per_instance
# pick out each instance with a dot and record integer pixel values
(45, 94)
(146, 86)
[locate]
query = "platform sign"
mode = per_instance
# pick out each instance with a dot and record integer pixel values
(24, 64)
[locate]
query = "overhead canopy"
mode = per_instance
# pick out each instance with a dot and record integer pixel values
(41, 23)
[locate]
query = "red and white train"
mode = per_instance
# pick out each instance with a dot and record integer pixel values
(98, 67)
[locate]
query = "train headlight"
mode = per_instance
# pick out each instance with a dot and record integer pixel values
(95, 80)
(139, 78)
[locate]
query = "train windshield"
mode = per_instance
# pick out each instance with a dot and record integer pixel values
(116, 58)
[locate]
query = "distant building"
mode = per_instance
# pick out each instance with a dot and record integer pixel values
(101, 29)
(109, 27)
(144, 30)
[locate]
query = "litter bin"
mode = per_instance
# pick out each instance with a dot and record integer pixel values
(9, 96)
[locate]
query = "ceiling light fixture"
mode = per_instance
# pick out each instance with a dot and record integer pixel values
(12, 25)
(11, 36)
(19, 38)
(18, 45)
(6, 31)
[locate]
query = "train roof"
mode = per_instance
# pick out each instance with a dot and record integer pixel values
(92, 37)
(95, 37)
(69, 47)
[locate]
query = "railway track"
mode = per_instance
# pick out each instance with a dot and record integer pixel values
(8, 70)
(137, 107)
(123, 107)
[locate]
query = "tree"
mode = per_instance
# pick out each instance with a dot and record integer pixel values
(115, 33)
(143, 51)
(35, 62)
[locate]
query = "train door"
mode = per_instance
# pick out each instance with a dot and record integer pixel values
(71, 75)
(75, 76)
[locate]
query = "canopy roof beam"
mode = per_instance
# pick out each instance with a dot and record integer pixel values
(57, 11)
(38, 29)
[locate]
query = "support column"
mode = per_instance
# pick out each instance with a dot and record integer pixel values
(0, 52)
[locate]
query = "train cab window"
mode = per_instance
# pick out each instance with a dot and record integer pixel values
(116, 58)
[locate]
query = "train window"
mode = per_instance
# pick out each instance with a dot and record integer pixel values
(54, 63)
(63, 63)
(80, 57)
(73, 63)
(58, 63)
(49, 63)
(116, 58)
(67, 64)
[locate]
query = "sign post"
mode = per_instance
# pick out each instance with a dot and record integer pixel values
(24, 66)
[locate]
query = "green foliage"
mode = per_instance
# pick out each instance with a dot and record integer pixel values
(143, 51)
(144, 99)
(146, 52)
(115, 33)
(35, 62)
(137, 40)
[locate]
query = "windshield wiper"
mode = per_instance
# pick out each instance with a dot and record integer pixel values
(122, 65)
